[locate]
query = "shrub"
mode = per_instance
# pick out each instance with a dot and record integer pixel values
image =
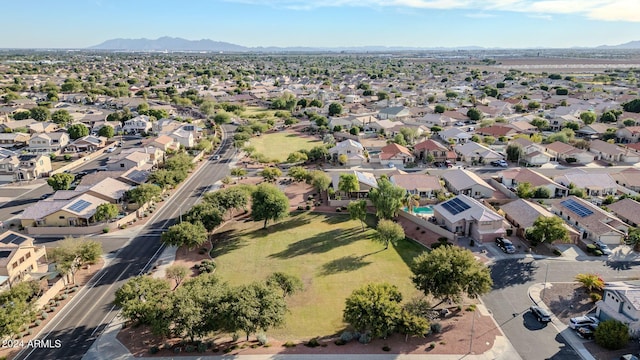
(612, 334)
(386, 348)
(436, 328)
(189, 348)
(53, 309)
(262, 339)
(38, 322)
(207, 266)
(432, 346)
(154, 350)
(235, 337)
(64, 296)
(289, 344)
(595, 297)
(308, 207)
(339, 342)
(105, 230)
(346, 336)
(591, 247)
(300, 207)
(44, 315)
(313, 343)
(471, 307)
(365, 338)
(202, 347)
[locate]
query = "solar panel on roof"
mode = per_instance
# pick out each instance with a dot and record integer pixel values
(455, 206)
(13, 239)
(138, 176)
(577, 208)
(4, 254)
(79, 205)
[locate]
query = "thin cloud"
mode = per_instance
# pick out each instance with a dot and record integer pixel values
(607, 10)
(479, 15)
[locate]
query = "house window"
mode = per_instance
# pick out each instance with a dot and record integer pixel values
(61, 217)
(121, 165)
(28, 255)
(15, 265)
(21, 260)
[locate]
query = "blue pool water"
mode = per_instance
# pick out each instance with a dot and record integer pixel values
(421, 210)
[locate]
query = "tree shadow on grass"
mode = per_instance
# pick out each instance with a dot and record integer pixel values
(226, 242)
(320, 243)
(408, 250)
(343, 264)
(335, 219)
(289, 223)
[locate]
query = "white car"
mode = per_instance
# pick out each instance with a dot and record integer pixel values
(110, 150)
(459, 123)
(583, 321)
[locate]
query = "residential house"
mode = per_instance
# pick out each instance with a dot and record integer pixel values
(6, 112)
(468, 217)
(513, 177)
(141, 124)
(594, 223)
(20, 259)
(497, 131)
(394, 112)
(621, 302)
(629, 178)
(533, 153)
(109, 189)
(474, 153)
(423, 185)
(16, 125)
(88, 143)
(594, 184)
(628, 210)
(9, 164)
(366, 182)
(523, 127)
(77, 211)
(561, 151)
(126, 161)
(612, 152)
(625, 135)
(43, 127)
(460, 181)
(454, 136)
(383, 127)
(164, 143)
(165, 126)
(353, 150)
(439, 152)
(17, 139)
(593, 131)
(395, 155)
(522, 214)
(33, 166)
(48, 142)
(134, 176)
(184, 138)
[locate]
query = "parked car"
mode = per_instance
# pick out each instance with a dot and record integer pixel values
(110, 150)
(580, 321)
(102, 168)
(587, 331)
(602, 247)
(506, 245)
(500, 163)
(629, 357)
(460, 123)
(543, 315)
(216, 157)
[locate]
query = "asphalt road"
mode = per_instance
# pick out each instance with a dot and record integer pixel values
(509, 301)
(85, 317)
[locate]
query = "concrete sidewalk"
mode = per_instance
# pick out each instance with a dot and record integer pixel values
(568, 335)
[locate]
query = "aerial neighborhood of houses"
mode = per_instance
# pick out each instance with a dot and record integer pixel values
(483, 154)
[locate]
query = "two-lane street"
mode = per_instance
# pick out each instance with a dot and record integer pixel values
(83, 319)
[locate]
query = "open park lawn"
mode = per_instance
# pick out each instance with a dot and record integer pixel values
(278, 145)
(332, 256)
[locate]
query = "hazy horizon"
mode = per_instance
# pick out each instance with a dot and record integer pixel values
(78, 24)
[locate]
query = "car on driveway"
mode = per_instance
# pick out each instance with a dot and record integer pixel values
(587, 331)
(579, 321)
(629, 357)
(542, 314)
(505, 245)
(602, 247)
(500, 163)
(110, 150)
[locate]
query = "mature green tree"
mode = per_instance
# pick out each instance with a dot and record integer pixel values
(389, 232)
(144, 193)
(254, 307)
(533, 105)
(197, 306)
(180, 162)
(588, 117)
(634, 238)
(629, 122)
(514, 152)
(439, 109)
(18, 307)
(222, 118)
(60, 181)
(319, 180)
(410, 201)
(448, 272)
(475, 114)
(205, 213)
(348, 184)
(106, 211)
(71, 253)
(185, 234)
(409, 134)
(632, 106)
(609, 117)
(298, 173)
(238, 172)
(398, 139)
(271, 174)
(296, 157)
(61, 117)
(318, 153)
(387, 198)
(146, 301)
(412, 325)
(541, 192)
(289, 284)
(21, 115)
(591, 281)
(612, 334)
(268, 203)
(177, 273)
(106, 131)
(358, 211)
(40, 113)
(524, 190)
(163, 178)
(230, 199)
(540, 123)
(374, 308)
(335, 109)
(76, 131)
(548, 229)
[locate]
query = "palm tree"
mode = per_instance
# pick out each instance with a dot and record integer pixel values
(410, 201)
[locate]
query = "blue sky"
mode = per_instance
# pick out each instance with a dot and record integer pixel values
(323, 23)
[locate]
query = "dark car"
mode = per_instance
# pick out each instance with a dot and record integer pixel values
(629, 357)
(603, 248)
(543, 315)
(505, 245)
(587, 331)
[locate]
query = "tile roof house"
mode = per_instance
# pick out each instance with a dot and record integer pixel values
(56, 213)
(475, 153)
(43, 127)
(513, 177)
(522, 214)
(454, 135)
(366, 180)
(523, 127)
(628, 210)
(33, 166)
(468, 217)
(394, 112)
(594, 223)
(17, 139)
(20, 259)
(87, 143)
(593, 131)
(534, 154)
(126, 161)
(395, 155)
(137, 125)
(439, 151)
(353, 150)
(164, 143)
(423, 185)
(612, 152)
(561, 151)
(497, 131)
(629, 178)
(48, 143)
(621, 302)
(595, 184)
(629, 134)
(16, 124)
(109, 189)
(460, 181)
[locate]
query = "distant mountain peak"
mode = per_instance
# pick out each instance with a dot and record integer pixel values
(628, 45)
(168, 43)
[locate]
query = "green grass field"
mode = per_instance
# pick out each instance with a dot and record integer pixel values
(279, 145)
(330, 254)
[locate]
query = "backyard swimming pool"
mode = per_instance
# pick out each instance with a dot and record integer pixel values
(421, 210)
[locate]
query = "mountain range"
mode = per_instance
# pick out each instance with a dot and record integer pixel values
(167, 43)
